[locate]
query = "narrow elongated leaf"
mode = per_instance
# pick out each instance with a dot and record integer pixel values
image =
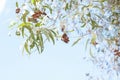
(17, 4)
(24, 16)
(26, 47)
(91, 53)
(27, 25)
(22, 31)
(38, 24)
(34, 2)
(53, 32)
(94, 36)
(49, 34)
(86, 44)
(12, 24)
(32, 45)
(83, 25)
(76, 41)
(67, 6)
(41, 43)
(45, 32)
(52, 37)
(94, 24)
(37, 46)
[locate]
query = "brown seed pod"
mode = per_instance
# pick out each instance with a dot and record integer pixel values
(65, 38)
(37, 14)
(63, 28)
(117, 54)
(18, 10)
(116, 50)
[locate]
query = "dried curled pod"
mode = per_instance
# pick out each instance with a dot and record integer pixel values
(37, 14)
(65, 38)
(63, 28)
(117, 53)
(18, 10)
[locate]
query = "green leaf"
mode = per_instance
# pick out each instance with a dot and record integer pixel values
(102, 0)
(51, 36)
(41, 43)
(12, 24)
(38, 24)
(76, 41)
(37, 46)
(86, 44)
(94, 37)
(89, 14)
(24, 16)
(32, 45)
(27, 25)
(94, 24)
(17, 4)
(48, 7)
(66, 7)
(26, 47)
(83, 25)
(54, 33)
(23, 31)
(91, 53)
(18, 33)
(83, 19)
(32, 1)
(45, 32)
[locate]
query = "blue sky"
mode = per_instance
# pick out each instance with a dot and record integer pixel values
(58, 62)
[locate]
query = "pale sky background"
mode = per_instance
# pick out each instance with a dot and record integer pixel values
(59, 62)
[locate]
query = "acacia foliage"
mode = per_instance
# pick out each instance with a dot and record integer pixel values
(41, 20)
(98, 21)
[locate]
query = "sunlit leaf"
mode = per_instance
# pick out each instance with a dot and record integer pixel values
(24, 25)
(32, 1)
(38, 24)
(23, 31)
(12, 24)
(17, 4)
(94, 37)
